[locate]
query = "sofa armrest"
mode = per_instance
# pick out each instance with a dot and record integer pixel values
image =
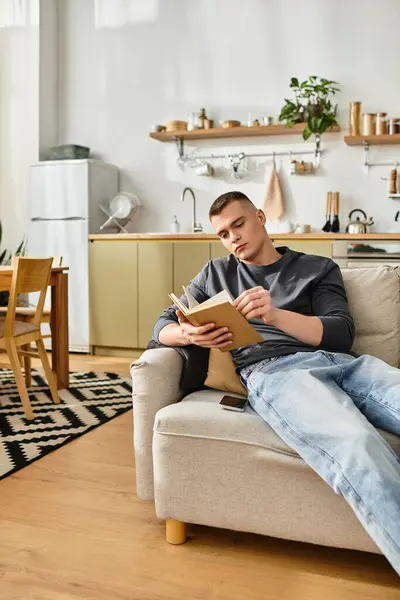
(155, 384)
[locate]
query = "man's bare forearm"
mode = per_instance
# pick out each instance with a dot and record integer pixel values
(306, 329)
(171, 335)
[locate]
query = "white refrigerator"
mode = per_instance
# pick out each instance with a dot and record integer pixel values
(64, 208)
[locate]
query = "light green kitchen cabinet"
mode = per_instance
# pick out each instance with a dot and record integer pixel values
(218, 250)
(319, 247)
(113, 294)
(130, 282)
(155, 282)
(189, 259)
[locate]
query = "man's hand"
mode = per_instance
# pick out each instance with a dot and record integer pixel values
(206, 336)
(256, 303)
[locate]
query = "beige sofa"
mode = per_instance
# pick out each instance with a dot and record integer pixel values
(208, 466)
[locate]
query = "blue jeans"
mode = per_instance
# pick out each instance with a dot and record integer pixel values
(325, 406)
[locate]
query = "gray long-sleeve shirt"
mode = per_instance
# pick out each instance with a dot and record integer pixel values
(303, 283)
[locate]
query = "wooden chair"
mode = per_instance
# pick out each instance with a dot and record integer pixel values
(27, 313)
(29, 275)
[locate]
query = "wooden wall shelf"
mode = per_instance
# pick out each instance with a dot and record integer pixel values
(372, 140)
(233, 132)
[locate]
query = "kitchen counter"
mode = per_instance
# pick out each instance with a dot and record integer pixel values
(317, 235)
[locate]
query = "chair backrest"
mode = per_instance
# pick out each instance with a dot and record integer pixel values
(29, 275)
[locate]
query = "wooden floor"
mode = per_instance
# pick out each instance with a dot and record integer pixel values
(72, 528)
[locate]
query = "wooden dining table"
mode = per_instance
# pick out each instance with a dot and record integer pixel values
(59, 319)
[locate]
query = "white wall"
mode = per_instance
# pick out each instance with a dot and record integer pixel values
(19, 128)
(126, 65)
(28, 103)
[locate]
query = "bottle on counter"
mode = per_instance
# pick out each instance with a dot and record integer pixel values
(175, 225)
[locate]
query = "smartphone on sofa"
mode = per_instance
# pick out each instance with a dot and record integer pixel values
(233, 403)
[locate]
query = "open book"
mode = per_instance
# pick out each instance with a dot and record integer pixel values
(220, 311)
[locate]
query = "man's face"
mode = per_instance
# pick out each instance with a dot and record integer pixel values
(241, 229)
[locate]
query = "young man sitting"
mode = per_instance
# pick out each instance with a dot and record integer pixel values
(303, 380)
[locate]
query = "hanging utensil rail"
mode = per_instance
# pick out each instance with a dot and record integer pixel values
(245, 155)
(190, 157)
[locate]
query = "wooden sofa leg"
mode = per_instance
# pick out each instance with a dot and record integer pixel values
(176, 532)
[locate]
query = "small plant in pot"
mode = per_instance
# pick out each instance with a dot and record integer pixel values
(311, 105)
(5, 259)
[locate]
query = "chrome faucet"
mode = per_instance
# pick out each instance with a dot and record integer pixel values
(196, 227)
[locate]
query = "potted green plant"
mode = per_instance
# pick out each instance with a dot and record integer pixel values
(5, 259)
(311, 105)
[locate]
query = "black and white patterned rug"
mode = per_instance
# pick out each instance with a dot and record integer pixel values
(91, 400)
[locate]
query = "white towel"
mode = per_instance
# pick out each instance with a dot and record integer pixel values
(274, 201)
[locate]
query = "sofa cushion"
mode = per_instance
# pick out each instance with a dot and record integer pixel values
(200, 416)
(222, 374)
(374, 301)
(223, 469)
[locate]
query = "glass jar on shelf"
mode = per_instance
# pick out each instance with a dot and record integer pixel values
(368, 124)
(394, 126)
(381, 123)
(193, 121)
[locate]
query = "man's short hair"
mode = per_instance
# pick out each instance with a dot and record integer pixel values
(219, 204)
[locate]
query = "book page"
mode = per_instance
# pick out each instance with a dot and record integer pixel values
(194, 306)
(192, 302)
(178, 303)
(220, 298)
